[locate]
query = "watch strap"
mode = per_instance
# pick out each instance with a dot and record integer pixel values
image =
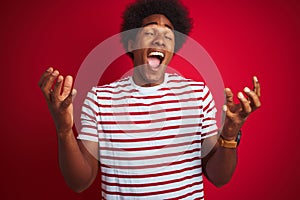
(231, 144)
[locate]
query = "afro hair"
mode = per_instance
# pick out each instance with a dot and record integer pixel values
(174, 10)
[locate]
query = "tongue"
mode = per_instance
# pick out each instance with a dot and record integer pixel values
(153, 62)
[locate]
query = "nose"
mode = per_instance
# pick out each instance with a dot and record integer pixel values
(159, 41)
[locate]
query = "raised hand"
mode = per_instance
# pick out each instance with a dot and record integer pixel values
(236, 114)
(59, 96)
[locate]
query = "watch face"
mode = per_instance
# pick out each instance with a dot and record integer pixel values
(238, 138)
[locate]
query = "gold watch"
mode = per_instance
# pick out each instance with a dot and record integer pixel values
(231, 144)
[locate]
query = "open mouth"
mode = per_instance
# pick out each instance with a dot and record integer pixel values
(155, 58)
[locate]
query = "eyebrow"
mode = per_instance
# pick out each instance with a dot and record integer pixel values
(150, 23)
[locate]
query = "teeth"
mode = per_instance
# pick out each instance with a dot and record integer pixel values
(156, 53)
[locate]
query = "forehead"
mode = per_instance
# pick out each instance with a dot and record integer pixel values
(158, 19)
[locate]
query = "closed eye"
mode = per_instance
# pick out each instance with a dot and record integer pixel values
(168, 38)
(149, 33)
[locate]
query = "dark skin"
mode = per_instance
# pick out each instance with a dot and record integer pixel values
(220, 163)
(78, 166)
(78, 159)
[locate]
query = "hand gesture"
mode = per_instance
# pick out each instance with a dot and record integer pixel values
(236, 114)
(59, 97)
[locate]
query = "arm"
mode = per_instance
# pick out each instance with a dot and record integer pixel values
(77, 165)
(220, 163)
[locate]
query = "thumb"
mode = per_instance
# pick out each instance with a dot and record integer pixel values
(73, 93)
(227, 112)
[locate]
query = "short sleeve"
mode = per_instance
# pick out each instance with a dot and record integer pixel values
(209, 126)
(89, 117)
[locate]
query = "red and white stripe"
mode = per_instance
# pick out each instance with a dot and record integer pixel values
(150, 138)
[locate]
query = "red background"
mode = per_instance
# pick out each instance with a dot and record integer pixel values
(244, 38)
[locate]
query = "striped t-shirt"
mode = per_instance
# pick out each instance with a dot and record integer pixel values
(150, 137)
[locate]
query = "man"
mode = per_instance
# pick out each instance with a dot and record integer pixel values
(147, 129)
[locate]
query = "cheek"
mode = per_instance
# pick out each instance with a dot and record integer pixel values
(169, 58)
(171, 46)
(142, 43)
(138, 56)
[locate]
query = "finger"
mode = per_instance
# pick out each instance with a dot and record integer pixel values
(253, 97)
(47, 84)
(67, 87)
(256, 86)
(45, 74)
(67, 101)
(48, 80)
(57, 87)
(245, 104)
(229, 96)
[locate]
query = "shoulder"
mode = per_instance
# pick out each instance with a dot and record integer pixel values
(116, 85)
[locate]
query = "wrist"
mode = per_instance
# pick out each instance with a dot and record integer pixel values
(61, 134)
(227, 138)
(230, 133)
(230, 142)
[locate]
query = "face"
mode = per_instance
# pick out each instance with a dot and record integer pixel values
(152, 50)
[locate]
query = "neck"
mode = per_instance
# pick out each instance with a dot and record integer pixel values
(144, 82)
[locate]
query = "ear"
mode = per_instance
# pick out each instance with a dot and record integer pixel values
(130, 45)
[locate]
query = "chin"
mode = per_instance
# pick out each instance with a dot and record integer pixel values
(154, 78)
